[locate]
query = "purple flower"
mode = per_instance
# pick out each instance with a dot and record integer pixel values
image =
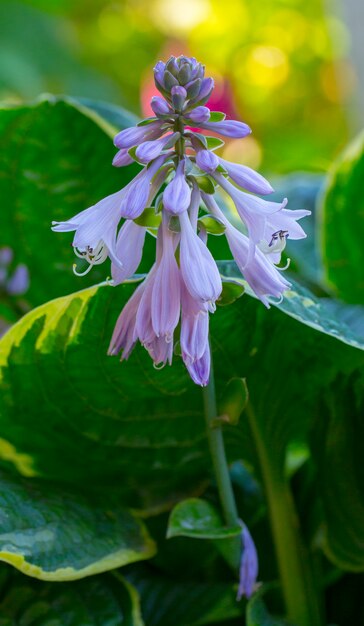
(95, 236)
(179, 95)
(264, 279)
(199, 270)
(199, 370)
(247, 178)
(18, 283)
(149, 150)
(199, 114)
(160, 106)
(137, 193)
(122, 158)
(144, 330)
(204, 94)
(159, 74)
(161, 351)
(228, 128)
(184, 283)
(207, 161)
(177, 194)
(252, 210)
(123, 339)
(129, 250)
(248, 566)
(194, 327)
(131, 137)
(165, 302)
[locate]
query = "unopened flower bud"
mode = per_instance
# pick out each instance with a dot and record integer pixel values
(179, 95)
(160, 106)
(199, 114)
(193, 88)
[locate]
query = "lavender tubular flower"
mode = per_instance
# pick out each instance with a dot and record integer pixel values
(207, 161)
(123, 338)
(194, 327)
(130, 137)
(228, 128)
(199, 370)
(177, 194)
(199, 270)
(184, 283)
(246, 178)
(136, 199)
(252, 210)
(149, 150)
(122, 158)
(199, 114)
(248, 566)
(165, 303)
(129, 250)
(264, 279)
(160, 106)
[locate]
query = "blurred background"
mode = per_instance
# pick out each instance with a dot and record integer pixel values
(289, 68)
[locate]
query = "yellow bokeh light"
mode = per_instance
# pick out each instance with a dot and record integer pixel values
(177, 17)
(247, 152)
(267, 66)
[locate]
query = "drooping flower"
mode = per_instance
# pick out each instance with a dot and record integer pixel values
(248, 565)
(180, 166)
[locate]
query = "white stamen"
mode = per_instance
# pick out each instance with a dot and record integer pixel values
(91, 256)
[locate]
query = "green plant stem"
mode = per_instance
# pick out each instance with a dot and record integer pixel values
(180, 144)
(217, 450)
(300, 595)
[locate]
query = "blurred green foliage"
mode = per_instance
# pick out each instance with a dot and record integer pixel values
(281, 66)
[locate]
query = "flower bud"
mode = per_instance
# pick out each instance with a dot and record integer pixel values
(160, 106)
(199, 114)
(179, 95)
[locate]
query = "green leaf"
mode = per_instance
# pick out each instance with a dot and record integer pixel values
(63, 167)
(198, 519)
(342, 210)
(234, 400)
(214, 142)
(149, 218)
(115, 115)
(231, 291)
(326, 316)
(338, 451)
(147, 120)
(114, 418)
(257, 613)
(165, 602)
(211, 225)
(56, 534)
(205, 184)
(216, 116)
(95, 601)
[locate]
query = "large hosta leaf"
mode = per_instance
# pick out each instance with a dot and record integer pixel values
(338, 451)
(58, 534)
(99, 601)
(94, 418)
(342, 217)
(165, 602)
(55, 161)
(97, 423)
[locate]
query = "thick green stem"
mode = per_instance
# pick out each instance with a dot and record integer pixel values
(217, 450)
(300, 595)
(180, 144)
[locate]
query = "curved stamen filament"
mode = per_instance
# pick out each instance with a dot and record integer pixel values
(91, 256)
